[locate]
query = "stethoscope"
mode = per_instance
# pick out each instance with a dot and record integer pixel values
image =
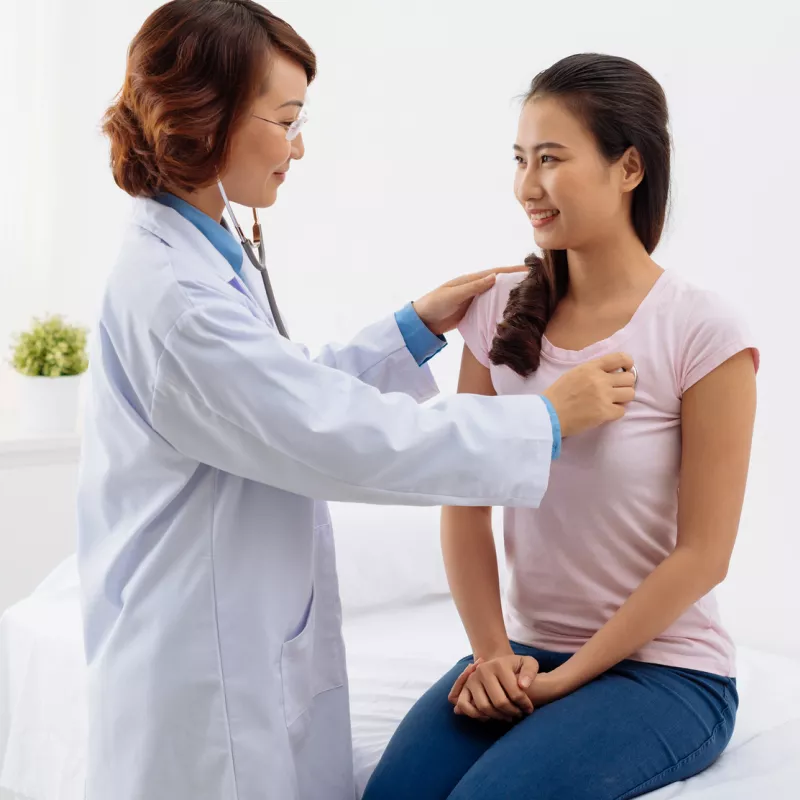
(254, 250)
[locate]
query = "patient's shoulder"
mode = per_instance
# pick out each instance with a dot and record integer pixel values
(707, 330)
(506, 281)
(495, 300)
(480, 322)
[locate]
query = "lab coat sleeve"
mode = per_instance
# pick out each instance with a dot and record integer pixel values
(231, 393)
(379, 356)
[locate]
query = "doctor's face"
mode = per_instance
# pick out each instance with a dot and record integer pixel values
(260, 154)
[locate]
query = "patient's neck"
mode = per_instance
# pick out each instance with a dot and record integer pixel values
(609, 268)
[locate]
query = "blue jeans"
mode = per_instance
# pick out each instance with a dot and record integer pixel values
(632, 730)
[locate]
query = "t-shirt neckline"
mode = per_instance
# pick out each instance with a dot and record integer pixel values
(611, 343)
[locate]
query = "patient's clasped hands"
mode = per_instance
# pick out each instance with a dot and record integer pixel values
(506, 688)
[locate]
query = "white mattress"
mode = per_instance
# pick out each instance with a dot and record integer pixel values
(394, 655)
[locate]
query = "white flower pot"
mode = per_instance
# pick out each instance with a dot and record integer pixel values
(48, 406)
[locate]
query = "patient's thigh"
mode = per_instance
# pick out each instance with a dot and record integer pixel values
(432, 749)
(631, 731)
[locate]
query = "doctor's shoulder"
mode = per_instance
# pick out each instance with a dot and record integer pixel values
(156, 284)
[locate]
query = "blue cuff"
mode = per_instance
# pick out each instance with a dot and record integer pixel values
(556, 423)
(421, 342)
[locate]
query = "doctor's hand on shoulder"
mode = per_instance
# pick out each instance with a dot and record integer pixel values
(443, 308)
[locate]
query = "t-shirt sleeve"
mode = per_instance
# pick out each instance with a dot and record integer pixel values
(479, 326)
(714, 333)
(475, 326)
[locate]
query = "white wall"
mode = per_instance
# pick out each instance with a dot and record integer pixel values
(407, 181)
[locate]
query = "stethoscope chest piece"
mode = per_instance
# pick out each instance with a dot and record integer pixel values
(634, 372)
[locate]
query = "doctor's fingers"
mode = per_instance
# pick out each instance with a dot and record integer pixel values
(623, 396)
(472, 286)
(472, 277)
(621, 380)
(614, 361)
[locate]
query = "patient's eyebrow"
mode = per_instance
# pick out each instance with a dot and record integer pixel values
(297, 103)
(542, 146)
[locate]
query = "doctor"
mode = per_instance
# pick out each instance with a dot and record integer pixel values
(211, 611)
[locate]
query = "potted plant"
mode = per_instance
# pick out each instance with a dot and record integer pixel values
(49, 359)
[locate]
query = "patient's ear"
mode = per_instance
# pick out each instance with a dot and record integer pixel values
(632, 169)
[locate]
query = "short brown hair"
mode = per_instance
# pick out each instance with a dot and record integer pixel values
(193, 69)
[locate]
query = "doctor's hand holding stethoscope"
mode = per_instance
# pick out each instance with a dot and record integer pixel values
(212, 442)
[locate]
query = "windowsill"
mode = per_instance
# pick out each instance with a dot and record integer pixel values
(38, 451)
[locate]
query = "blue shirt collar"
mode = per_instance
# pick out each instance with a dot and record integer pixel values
(223, 240)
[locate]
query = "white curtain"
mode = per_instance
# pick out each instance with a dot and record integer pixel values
(60, 212)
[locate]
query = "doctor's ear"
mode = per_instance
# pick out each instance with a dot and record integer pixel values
(632, 167)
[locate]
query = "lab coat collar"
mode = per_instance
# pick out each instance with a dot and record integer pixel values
(178, 232)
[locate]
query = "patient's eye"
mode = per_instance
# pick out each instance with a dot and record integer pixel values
(552, 159)
(519, 159)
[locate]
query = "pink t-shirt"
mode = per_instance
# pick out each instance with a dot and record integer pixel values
(610, 513)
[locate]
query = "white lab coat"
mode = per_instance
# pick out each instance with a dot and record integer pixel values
(211, 609)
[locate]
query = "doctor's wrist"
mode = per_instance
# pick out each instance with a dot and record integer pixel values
(555, 424)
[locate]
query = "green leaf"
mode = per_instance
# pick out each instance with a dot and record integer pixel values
(51, 348)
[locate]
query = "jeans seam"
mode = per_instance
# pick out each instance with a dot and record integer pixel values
(687, 759)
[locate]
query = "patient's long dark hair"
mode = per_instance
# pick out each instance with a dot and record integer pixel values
(623, 106)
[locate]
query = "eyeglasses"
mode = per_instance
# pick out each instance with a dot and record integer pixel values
(293, 130)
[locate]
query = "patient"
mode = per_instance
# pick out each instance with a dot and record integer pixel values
(610, 674)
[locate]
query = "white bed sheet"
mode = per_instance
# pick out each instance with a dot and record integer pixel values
(394, 655)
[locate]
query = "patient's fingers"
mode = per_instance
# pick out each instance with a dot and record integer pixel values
(482, 702)
(509, 680)
(500, 699)
(455, 692)
(466, 707)
(528, 670)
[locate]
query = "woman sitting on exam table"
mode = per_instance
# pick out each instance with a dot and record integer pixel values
(610, 674)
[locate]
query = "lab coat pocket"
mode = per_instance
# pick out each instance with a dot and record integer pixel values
(311, 664)
(297, 669)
